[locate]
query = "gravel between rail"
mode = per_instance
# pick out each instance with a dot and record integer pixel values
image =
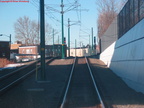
(81, 92)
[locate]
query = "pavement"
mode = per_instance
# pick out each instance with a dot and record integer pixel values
(114, 90)
(34, 94)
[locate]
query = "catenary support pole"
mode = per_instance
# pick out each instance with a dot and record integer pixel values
(89, 46)
(92, 37)
(68, 37)
(58, 39)
(42, 44)
(75, 47)
(53, 44)
(62, 22)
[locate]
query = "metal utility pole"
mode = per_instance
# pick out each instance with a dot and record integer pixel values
(10, 40)
(92, 37)
(72, 7)
(62, 24)
(89, 40)
(42, 41)
(68, 37)
(10, 43)
(89, 45)
(82, 45)
(95, 44)
(75, 22)
(53, 43)
(75, 46)
(94, 41)
(58, 39)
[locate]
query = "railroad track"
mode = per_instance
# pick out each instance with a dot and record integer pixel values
(9, 80)
(81, 89)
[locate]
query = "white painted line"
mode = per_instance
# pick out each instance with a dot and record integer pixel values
(43, 81)
(95, 85)
(35, 89)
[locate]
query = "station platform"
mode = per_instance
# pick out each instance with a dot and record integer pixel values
(39, 94)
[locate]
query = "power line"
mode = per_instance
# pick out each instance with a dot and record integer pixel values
(71, 7)
(34, 3)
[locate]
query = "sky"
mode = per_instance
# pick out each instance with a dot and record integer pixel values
(86, 14)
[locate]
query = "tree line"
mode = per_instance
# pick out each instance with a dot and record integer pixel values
(107, 11)
(27, 31)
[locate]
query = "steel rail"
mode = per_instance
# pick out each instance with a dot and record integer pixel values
(64, 98)
(19, 79)
(16, 81)
(15, 71)
(18, 70)
(95, 85)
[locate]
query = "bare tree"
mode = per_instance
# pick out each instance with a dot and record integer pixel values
(48, 33)
(108, 10)
(27, 31)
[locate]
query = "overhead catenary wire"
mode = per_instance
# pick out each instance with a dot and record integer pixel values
(52, 8)
(33, 2)
(49, 7)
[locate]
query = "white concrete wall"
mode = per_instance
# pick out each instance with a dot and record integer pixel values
(127, 59)
(107, 54)
(110, 35)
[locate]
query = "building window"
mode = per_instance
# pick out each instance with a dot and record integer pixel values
(23, 51)
(27, 51)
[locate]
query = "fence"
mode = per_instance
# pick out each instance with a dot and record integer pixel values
(130, 15)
